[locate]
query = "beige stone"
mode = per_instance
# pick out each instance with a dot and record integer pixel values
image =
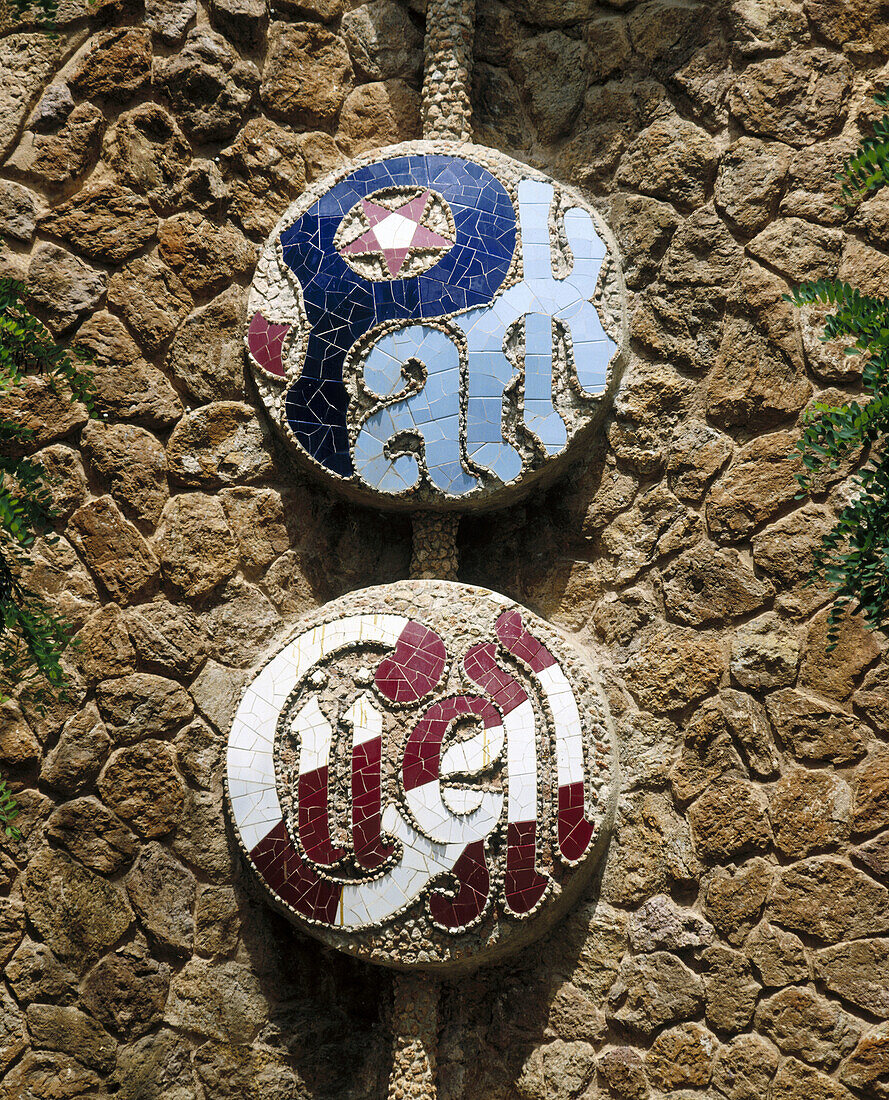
(734, 897)
(816, 732)
(796, 1081)
(141, 785)
(76, 912)
(256, 519)
(220, 999)
(169, 18)
(857, 972)
(765, 653)
(195, 545)
(158, 1064)
(162, 892)
(660, 925)
(653, 990)
(757, 486)
(35, 974)
(744, 1068)
(207, 84)
(827, 359)
(70, 1031)
(674, 666)
(672, 160)
(681, 1056)
(870, 809)
(148, 153)
(202, 839)
(707, 753)
(103, 646)
(27, 60)
(386, 110)
(205, 256)
(784, 553)
(781, 98)
(64, 478)
(19, 211)
(216, 921)
(828, 899)
(835, 673)
(132, 463)
(127, 990)
(621, 1070)
(874, 854)
(809, 812)
(779, 956)
(113, 549)
(57, 160)
(550, 71)
(575, 1017)
(142, 705)
(844, 24)
(63, 286)
(643, 227)
(12, 927)
(167, 636)
(45, 1074)
(93, 835)
(730, 989)
(241, 625)
(867, 1067)
(707, 584)
(207, 354)
(266, 171)
(151, 299)
(307, 75)
(243, 21)
(116, 65)
(751, 174)
(729, 820)
(697, 453)
(103, 220)
(199, 754)
(220, 444)
(805, 1024)
(382, 41)
(75, 761)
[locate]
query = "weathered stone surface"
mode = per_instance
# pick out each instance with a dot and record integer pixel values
(643, 227)
(93, 835)
(256, 519)
(383, 42)
(809, 812)
(206, 256)
(760, 482)
(825, 898)
(752, 381)
(796, 1081)
(141, 785)
(647, 747)
(142, 705)
(12, 927)
(307, 75)
(550, 70)
(19, 211)
(207, 353)
(729, 820)
(70, 1031)
(195, 545)
(35, 974)
(220, 444)
(803, 1023)
(734, 897)
(703, 253)
(730, 989)
(745, 719)
(230, 1071)
(132, 463)
(706, 754)
(697, 453)
(602, 934)
(653, 990)
(243, 21)
(222, 1000)
(208, 85)
(162, 892)
(867, 1067)
(672, 160)
(148, 153)
(26, 62)
(875, 855)
(827, 359)
(848, 24)
(779, 956)
(750, 177)
(765, 653)
(816, 732)
(622, 1071)
(870, 809)
(217, 692)
(116, 65)
(58, 159)
(202, 838)
(46, 413)
(127, 990)
(835, 673)
(857, 973)
(780, 98)
(387, 110)
(660, 925)
(216, 921)
(575, 1017)
(652, 850)
(103, 220)
(784, 553)
(169, 18)
(151, 299)
(204, 188)
(77, 913)
(674, 666)
(872, 698)
(199, 752)
(157, 1067)
(64, 478)
(63, 286)
(168, 636)
(54, 106)
(265, 171)
(681, 1056)
(798, 249)
(103, 645)
(241, 625)
(743, 1069)
(113, 549)
(45, 1075)
(18, 745)
(706, 584)
(127, 388)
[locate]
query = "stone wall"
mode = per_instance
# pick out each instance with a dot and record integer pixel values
(736, 945)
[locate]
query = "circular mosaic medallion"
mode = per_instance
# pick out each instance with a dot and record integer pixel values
(438, 326)
(423, 774)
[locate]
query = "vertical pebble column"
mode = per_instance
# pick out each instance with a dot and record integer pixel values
(450, 29)
(415, 1037)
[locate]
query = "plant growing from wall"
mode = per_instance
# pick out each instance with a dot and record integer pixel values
(853, 556)
(32, 637)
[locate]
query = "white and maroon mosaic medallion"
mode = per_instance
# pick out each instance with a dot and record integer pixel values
(423, 774)
(437, 325)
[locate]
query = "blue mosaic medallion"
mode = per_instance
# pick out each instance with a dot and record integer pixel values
(439, 326)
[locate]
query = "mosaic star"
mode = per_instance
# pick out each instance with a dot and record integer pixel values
(396, 232)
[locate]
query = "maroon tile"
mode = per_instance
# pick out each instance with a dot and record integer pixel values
(474, 883)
